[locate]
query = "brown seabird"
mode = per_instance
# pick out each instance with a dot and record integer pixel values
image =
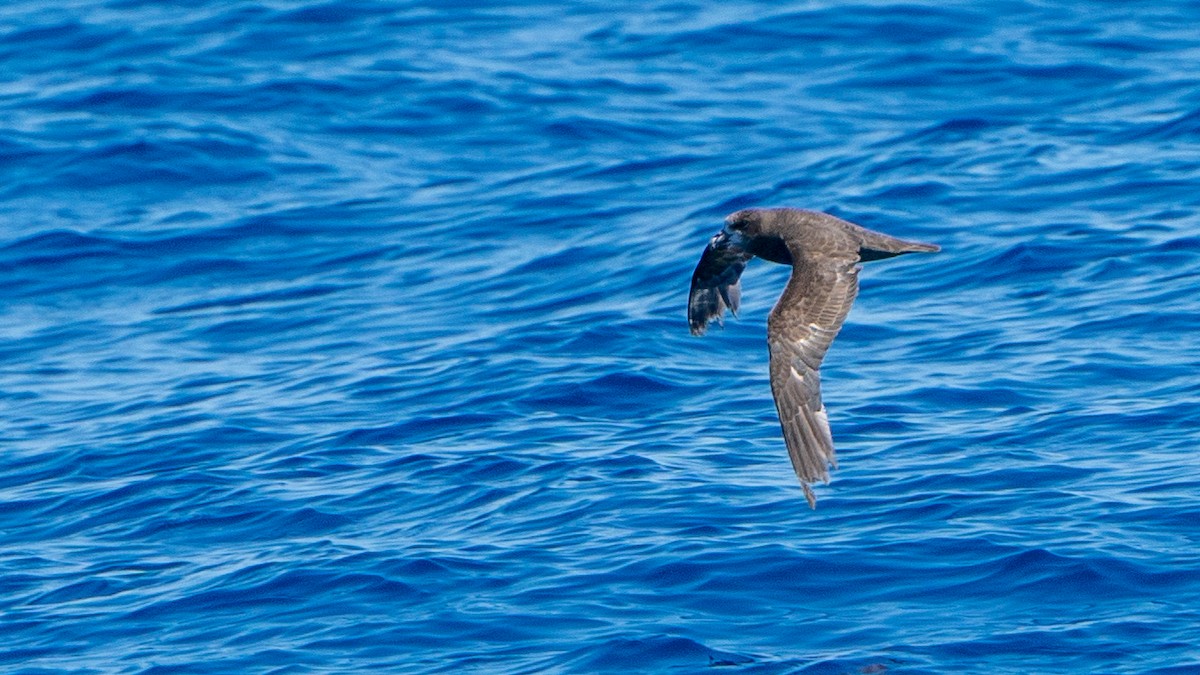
(823, 251)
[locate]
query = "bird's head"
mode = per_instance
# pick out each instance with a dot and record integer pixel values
(747, 223)
(759, 232)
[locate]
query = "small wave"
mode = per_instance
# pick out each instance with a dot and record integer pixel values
(649, 653)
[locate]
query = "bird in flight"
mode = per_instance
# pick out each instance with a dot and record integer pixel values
(824, 252)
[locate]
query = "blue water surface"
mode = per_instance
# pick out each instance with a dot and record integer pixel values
(351, 337)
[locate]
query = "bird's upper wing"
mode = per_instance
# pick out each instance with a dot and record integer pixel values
(799, 331)
(716, 283)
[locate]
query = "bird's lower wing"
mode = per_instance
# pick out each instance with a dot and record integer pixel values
(716, 283)
(800, 330)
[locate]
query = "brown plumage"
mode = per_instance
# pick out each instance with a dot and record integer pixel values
(824, 252)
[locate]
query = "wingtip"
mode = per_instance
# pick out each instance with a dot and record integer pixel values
(810, 496)
(700, 319)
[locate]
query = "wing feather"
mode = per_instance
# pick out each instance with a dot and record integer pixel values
(800, 329)
(716, 283)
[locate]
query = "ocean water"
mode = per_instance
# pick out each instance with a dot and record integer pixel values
(351, 337)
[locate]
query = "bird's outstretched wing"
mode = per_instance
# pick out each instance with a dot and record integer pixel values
(716, 283)
(799, 331)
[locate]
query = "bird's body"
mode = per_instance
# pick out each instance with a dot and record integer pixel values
(824, 252)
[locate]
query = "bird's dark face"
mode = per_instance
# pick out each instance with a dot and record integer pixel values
(756, 232)
(747, 223)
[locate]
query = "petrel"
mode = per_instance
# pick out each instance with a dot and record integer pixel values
(824, 252)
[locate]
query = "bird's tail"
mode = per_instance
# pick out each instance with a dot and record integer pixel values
(876, 246)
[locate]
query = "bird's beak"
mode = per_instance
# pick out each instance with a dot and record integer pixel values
(727, 238)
